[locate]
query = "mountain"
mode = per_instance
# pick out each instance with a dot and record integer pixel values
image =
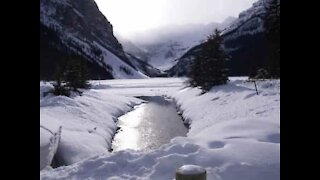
(144, 67)
(162, 46)
(244, 40)
(132, 48)
(78, 29)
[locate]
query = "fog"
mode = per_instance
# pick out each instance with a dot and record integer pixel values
(131, 18)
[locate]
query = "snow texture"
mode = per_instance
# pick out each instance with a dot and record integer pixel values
(191, 169)
(234, 133)
(249, 21)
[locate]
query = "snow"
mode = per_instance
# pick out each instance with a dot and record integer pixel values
(190, 169)
(234, 133)
(50, 18)
(109, 58)
(48, 11)
(115, 62)
(77, 12)
(87, 122)
(48, 148)
(163, 45)
(249, 21)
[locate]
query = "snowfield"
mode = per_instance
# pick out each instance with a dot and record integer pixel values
(234, 133)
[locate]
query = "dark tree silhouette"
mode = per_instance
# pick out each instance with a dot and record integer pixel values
(209, 66)
(272, 31)
(76, 74)
(59, 86)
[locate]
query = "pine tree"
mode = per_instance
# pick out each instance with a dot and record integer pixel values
(72, 74)
(84, 75)
(209, 66)
(76, 74)
(272, 32)
(59, 86)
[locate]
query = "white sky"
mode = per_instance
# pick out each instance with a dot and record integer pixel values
(132, 16)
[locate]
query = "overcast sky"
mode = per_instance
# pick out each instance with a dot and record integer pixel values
(131, 16)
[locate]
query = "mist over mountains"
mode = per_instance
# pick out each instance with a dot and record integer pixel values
(162, 46)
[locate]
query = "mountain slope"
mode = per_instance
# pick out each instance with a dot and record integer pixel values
(133, 49)
(144, 67)
(80, 29)
(244, 40)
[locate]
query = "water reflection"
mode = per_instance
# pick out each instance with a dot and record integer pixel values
(149, 125)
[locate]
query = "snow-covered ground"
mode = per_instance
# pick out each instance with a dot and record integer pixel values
(234, 133)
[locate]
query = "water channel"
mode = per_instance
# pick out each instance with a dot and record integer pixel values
(149, 125)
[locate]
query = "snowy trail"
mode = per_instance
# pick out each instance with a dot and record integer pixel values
(234, 133)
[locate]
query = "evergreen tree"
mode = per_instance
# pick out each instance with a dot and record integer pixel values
(272, 31)
(76, 74)
(209, 66)
(84, 75)
(72, 74)
(59, 86)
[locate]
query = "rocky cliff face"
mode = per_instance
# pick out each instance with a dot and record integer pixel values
(249, 22)
(80, 18)
(80, 28)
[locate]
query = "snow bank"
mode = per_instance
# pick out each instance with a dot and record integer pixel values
(88, 123)
(48, 148)
(235, 134)
(45, 87)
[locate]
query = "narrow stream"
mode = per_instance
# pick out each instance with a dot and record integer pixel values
(149, 125)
